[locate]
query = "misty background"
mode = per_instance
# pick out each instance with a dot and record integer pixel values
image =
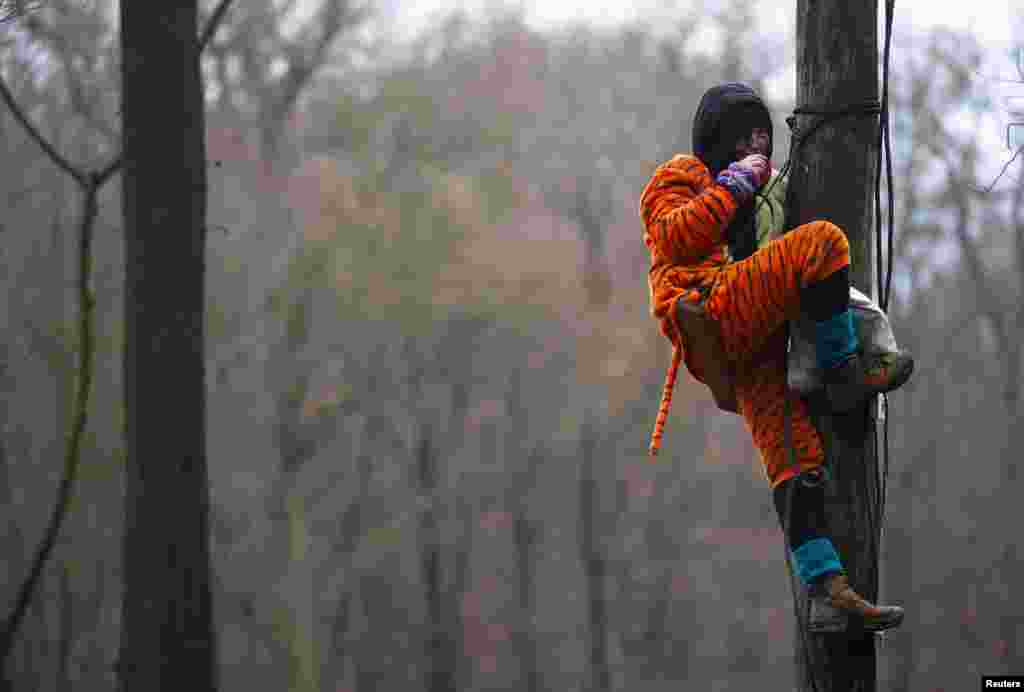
(432, 373)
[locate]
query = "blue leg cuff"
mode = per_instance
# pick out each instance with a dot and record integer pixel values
(835, 339)
(815, 558)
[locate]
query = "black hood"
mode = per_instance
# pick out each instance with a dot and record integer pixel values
(727, 113)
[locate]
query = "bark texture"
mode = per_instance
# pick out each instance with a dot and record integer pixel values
(167, 636)
(833, 178)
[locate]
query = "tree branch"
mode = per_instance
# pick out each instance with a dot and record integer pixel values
(81, 407)
(334, 15)
(79, 103)
(12, 9)
(34, 133)
(987, 300)
(211, 26)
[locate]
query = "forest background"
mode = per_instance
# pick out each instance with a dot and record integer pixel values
(432, 372)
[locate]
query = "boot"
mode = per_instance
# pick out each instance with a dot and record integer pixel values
(861, 376)
(834, 603)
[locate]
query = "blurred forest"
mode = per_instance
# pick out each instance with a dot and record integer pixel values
(432, 371)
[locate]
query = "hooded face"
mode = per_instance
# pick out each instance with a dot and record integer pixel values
(731, 122)
(757, 141)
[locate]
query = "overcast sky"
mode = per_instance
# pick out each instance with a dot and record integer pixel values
(779, 14)
(991, 20)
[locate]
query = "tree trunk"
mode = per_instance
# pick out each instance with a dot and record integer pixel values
(595, 563)
(167, 635)
(833, 177)
(525, 529)
(441, 673)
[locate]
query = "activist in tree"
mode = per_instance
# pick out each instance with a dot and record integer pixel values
(724, 281)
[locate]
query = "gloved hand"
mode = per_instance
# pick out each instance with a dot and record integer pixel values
(745, 177)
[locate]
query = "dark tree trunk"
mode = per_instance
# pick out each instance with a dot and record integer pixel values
(833, 178)
(595, 564)
(442, 654)
(167, 636)
(525, 529)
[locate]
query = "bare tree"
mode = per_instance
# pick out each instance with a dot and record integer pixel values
(524, 527)
(168, 638)
(273, 69)
(442, 645)
(594, 561)
(980, 224)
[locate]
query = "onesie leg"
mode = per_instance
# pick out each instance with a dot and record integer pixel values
(800, 504)
(753, 298)
(805, 270)
(834, 605)
(760, 394)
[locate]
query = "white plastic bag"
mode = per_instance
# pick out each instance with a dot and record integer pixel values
(873, 332)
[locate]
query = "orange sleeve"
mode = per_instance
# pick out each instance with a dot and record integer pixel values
(685, 213)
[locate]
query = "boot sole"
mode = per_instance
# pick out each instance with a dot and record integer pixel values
(831, 627)
(881, 626)
(838, 626)
(897, 381)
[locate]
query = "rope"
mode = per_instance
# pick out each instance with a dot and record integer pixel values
(885, 148)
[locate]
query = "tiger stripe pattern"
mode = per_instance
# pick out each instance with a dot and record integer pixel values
(685, 214)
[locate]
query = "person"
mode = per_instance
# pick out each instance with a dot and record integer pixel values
(708, 227)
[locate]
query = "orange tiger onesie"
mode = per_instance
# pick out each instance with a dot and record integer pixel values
(701, 228)
(685, 214)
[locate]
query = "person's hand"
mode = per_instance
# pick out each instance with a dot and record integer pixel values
(759, 166)
(745, 177)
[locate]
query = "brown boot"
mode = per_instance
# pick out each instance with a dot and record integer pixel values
(834, 603)
(850, 384)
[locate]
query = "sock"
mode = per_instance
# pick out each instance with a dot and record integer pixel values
(816, 559)
(835, 339)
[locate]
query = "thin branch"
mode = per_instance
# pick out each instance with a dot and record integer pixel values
(988, 302)
(115, 165)
(20, 116)
(992, 185)
(81, 409)
(334, 15)
(211, 26)
(12, 9)
(79, 103)
(110, 169)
